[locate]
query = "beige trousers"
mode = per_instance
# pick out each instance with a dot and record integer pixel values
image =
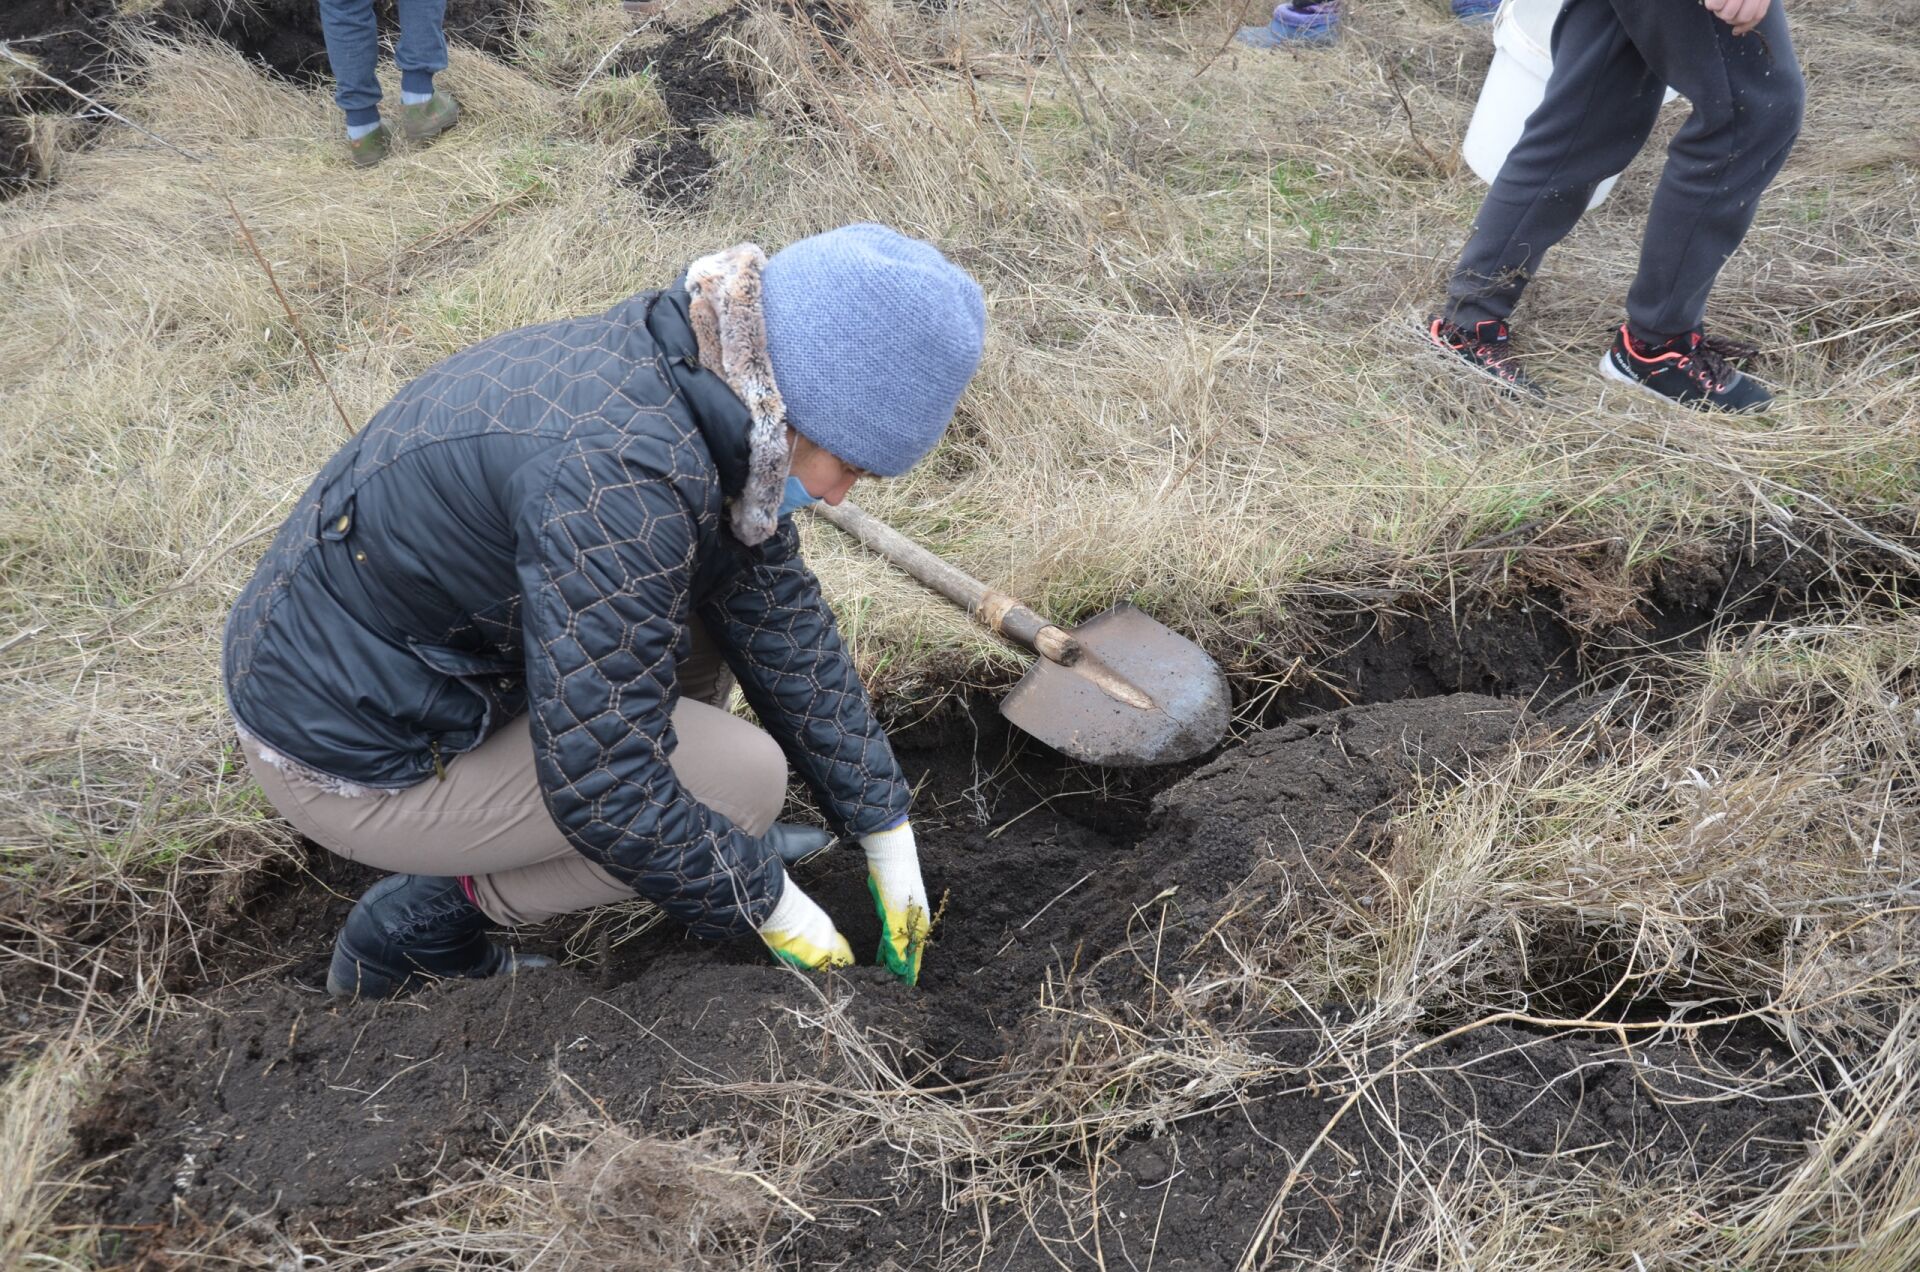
(487, 818)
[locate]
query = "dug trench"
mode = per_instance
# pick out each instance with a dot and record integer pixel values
(1080, 909)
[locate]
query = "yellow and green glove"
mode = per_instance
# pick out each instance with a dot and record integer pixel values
(900, 897)
(799, 932)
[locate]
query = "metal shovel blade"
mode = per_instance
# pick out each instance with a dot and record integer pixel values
(1071, 713)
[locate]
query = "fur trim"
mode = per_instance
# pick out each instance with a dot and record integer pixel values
(298, 774)
(731, 328)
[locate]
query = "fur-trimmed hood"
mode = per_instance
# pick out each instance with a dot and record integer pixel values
(730, 325)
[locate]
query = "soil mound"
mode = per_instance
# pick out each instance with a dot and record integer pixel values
(698, 86)
(276, 1102)
(676, 172)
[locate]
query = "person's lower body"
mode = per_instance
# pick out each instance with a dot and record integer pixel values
(1613, 60)
(353, 50)
(479, 845)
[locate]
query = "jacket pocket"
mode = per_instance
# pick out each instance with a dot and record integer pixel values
(490, 692)
(460, 664)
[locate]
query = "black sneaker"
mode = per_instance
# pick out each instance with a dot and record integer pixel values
(409, 929)
(1486, 350)
(1688, 370)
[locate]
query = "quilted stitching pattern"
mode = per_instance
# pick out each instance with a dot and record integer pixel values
(777, 633)
(532, 521)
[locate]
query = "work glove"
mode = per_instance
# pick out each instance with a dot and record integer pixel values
(900, 896)
(799, 932)
(794, 844)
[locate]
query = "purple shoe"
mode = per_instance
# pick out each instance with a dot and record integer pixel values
(1296, 23)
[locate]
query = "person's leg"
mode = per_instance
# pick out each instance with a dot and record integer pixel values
(425, 112)
(421, 923)
(421, 52)
(486, 814)
(724, 762)
(488, 820)
(353, 49)
(1747, 96)
(1600, 106)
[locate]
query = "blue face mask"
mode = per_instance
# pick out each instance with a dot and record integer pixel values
(797, 497)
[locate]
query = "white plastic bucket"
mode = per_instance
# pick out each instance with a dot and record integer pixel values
(1516, 83)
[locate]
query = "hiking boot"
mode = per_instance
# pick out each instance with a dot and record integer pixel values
(1485, 349)
(1688, 370)
(430, 118)
(409, 929)
(372, 148)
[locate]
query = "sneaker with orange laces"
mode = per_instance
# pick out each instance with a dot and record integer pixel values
(1690, 370)
(1484, 348)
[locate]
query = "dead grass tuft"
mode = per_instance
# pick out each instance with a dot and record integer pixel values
(579, 1192)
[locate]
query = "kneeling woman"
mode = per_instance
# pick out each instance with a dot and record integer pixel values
(491, 647)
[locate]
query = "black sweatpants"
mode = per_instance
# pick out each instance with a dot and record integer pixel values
(1612, 61)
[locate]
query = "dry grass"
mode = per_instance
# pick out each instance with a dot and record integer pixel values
(1201, 391)
(581, 1192)
(37, 1105)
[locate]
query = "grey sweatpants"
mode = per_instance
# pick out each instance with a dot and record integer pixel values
(487, 818)
(1612, 61)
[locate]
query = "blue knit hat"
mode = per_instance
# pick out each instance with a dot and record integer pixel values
(873, 337)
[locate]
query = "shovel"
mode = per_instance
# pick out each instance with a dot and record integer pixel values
(1120, 689)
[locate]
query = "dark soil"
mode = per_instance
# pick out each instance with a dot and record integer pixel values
(698, 86)
(19, 166)
(68, 39)
(274, 1101)
(1550, 635)
(674, 172)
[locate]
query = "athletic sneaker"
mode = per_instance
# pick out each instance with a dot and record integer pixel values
(1485, 349)
(1297, 22)
(1688, 370)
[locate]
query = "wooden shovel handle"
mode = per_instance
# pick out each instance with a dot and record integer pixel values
(996, 611)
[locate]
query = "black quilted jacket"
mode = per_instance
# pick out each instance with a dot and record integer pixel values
(527, 526)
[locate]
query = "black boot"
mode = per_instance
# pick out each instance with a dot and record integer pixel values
(408, 929)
